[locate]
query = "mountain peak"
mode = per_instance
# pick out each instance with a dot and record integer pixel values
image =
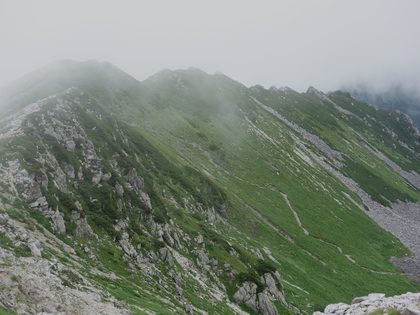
(60, 75)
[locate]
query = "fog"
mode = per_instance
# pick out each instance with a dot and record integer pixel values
(324, 43)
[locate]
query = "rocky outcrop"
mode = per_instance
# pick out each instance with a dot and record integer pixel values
(35, 247)
(59, 223)
(137, 184)
(83, 229)
(35, 286)
(166, 256)
(266, 305)
(262, 299)
(405, 304)
(247, 294)
(272, 284)
(135, 181)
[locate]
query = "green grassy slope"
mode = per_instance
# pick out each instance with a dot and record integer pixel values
(200, 141)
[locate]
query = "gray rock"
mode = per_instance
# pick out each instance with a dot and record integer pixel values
(333, 308)
(70, 145)
(60, 179)
(58, 221)
(119, 189)
(166, 256)
(35, 248)
(68, 249)
(199, 239)
(406, 304)
(189, 309)
(78, 206)
(202, 258)
(265, 305)
(32, 190)
(96, 177)
(247, 294)
(271, 285)
(135, 181)
(167, 237)
(410, 311)
(358, 299)
(42, 179)
(83, 229)
(375, 296)
(40, 203)
(145, 199)
(127, 247)
(69, 170)
(151, 256)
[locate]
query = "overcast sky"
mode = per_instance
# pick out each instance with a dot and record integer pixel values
(296, 43)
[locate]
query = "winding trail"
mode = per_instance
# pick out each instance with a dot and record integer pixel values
(295, 214)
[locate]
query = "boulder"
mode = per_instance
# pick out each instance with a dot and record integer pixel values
(265, 305)
(358, 299)
(375, 296)
(202, 258)
(58, 221)
(40, 203)
(271, 285)
(247, 294)
(83, 229)
(35, 248)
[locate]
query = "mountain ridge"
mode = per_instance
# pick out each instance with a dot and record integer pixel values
(201, 194)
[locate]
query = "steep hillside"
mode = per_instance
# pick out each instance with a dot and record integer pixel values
(189, 193)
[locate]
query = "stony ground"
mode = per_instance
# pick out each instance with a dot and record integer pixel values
(377, 304)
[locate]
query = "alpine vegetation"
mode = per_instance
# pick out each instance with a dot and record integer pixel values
(190, 193)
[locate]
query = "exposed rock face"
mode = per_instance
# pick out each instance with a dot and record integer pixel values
(33, 286)
(265, 305)
(134, 180)
(247, 294)
(407, 304)
(165, 256)
(83, 229)
(202, 258)
(262, 302)
(58, 221)
(35, 247)
(272, 287)
(137, 184)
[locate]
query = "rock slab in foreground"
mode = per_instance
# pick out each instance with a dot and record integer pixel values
(405, 304)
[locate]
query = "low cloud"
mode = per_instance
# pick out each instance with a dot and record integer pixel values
(325, 43)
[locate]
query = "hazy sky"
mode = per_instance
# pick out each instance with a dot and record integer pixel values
(297, 43)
